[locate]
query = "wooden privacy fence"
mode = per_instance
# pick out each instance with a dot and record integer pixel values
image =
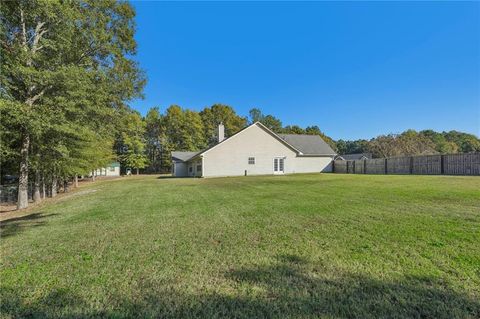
(453, 164)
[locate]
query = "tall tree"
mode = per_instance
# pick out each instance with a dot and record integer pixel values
(133, 141)
(269, 121)
(293, 129)
(220, 113)
(255, 115)
(352, 147)
(51, 52)
(153, 136)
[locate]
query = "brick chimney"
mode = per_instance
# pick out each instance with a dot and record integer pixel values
(221, 132)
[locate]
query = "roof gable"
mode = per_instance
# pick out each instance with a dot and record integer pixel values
(183, 156)
(257, 124)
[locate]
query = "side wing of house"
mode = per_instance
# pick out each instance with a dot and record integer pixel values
(179, 169)
(194, 167)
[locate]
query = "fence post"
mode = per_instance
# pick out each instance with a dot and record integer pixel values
(364, 166)
(442, 164)
(333, 166)
(411, 164)
(386, 167)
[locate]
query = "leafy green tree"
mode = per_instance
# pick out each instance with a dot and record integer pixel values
(352, 147)
(269, 121)
(272, 123)
(441, 144)
(220, 113)
(53, 52)
(193, 131)
(181, 130)
(255, 115)
(341, 146)
(153, 136)
(467, 143)
(133, 141)
(293, 129)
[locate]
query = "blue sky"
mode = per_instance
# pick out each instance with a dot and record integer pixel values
(355, 69)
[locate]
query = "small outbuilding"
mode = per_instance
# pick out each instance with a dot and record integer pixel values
(112, 169)
(256, 150)
(353, 157)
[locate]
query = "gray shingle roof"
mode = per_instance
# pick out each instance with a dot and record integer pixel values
(183, 156)
(308, 144)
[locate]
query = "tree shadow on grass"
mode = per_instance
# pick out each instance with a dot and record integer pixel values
(169, 177)
(14, 226)
(284, 290)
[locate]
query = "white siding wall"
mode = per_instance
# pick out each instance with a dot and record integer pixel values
(194, 168)
(105, 171)
(313, 164)
(231, 157)
(114, 172)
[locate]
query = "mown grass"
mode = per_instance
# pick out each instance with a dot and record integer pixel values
(303, 246)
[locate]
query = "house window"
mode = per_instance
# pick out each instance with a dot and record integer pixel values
(199, 168)
(190, 169)
(251, 160)
(111, 169)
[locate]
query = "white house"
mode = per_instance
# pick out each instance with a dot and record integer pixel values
(256, 150)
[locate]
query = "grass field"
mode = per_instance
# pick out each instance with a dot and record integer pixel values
(304, 246)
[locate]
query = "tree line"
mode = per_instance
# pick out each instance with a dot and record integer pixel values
(67, 76)
(411, 143)
(188, 130)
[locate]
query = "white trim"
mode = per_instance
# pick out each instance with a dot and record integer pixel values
(278, 172)
(316, 155)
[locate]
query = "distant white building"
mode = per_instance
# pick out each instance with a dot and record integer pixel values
(256, 150)
(112, 169)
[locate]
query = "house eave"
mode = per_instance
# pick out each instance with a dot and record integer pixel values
(316, 155)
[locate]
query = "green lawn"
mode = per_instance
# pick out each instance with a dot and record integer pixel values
(304, 246)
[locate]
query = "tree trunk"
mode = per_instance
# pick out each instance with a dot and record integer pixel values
(75, 179)
(36, 188)
(44, 191)
(137, 170)
(65, 185)
(22, 201)
(93, 176)
(54, 186)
